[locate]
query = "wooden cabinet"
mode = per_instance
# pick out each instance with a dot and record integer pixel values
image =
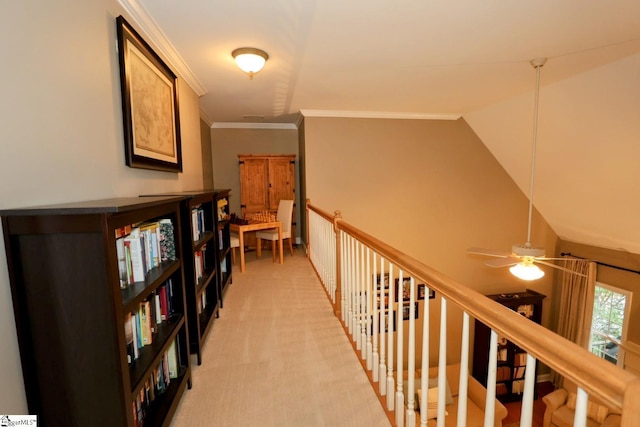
(99, 303)
(264, 181)
(512, 359)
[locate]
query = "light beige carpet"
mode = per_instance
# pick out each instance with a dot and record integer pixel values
(277, 356)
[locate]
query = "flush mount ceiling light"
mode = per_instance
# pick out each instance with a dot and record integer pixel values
(250, 60)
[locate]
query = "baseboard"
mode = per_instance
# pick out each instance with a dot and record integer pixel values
(543, 378)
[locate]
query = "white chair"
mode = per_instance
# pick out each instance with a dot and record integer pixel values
(235, 243)
(285, 214)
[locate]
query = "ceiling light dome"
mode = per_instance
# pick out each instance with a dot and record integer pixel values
(250, 60)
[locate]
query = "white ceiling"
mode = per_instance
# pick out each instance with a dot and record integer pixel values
(439, 58)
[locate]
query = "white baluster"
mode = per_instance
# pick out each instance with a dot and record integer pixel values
(526, 415)
(424, 378)
(580, 416)
(383, 342)
(400, 356)
(374, 321)
(442, 362)
(489, 405)
(343, 273)
(350, 285)
(363, 305)
(411, 387)
(369, 313)
(333, 264)
(463, 385)
(354, 289)
(357, 319)
(389, 325)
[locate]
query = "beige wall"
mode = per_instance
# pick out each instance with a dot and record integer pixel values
(62, 129)
(429, 188)
(207, 160)
(227, 143)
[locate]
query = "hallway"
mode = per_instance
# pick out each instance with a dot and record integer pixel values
(277, 356)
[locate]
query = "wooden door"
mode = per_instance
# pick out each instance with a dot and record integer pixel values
(253, 184)
(281, 180)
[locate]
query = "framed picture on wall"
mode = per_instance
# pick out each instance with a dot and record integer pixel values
(385, 322)
(149, 104)
(422, 290)
(382, 281)
(405, 310)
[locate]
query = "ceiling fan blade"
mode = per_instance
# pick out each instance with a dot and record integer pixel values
(488, 252)
(559, 268)
(502, 262)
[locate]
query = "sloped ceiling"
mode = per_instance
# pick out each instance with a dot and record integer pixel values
(439, 59)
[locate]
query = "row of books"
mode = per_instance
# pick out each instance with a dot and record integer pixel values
(518, 372)
(156, 384)
(520, 359)
(503, 373)
(141, 326)
(142, 247)
(197, 223)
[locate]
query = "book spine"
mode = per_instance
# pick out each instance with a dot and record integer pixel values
(173, 360)
(137, 260)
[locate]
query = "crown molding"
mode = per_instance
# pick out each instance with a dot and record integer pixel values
(238, 125)
(205, 118)
(378, 115)
(150, 29)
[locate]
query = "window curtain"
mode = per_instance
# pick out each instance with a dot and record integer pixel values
(576, 305)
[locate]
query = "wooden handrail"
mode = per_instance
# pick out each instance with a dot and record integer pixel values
(598, 377)
(320, 212)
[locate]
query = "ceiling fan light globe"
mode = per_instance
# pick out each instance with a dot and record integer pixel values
(526, 271)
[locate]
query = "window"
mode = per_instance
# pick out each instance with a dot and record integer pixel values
(609, 322)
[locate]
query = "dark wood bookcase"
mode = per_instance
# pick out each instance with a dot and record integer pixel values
(511, 358)
(223, 221)
(71, 311)
(205, 244)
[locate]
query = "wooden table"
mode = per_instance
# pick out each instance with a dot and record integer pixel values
(241, 229)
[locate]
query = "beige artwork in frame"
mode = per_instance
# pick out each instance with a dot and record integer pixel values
(149, 105)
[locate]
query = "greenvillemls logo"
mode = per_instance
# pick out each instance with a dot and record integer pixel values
(18, 420)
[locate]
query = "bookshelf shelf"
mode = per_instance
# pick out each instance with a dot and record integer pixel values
(511, 358)
(75, 304)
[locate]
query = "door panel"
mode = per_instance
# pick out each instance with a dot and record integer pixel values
(281, 181)
(253, 185)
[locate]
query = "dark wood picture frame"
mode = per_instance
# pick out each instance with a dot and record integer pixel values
(405, 310)
(379, 281)
(149, 104)
(386, 322)
(422, 290)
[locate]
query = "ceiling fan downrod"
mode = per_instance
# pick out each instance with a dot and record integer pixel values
(537, 64)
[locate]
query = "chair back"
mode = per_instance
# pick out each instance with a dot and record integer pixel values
(285, 214)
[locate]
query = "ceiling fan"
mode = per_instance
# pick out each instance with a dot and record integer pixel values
(524, 257)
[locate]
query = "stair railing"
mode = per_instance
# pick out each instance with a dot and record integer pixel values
(369, 284)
